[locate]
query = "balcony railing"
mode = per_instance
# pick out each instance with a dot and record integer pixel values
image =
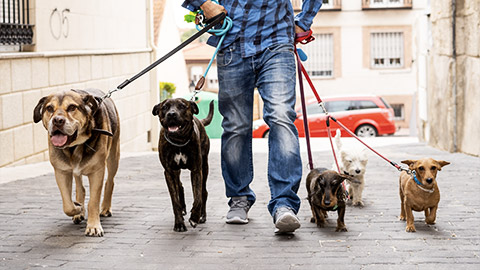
(327, 5)
(15, 27)
(386, 4)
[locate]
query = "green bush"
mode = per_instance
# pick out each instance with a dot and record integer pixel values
(166, 90)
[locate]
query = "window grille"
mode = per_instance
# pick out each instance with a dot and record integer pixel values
(398, 111)
(196, 72)
(387, 3)
(15, 27)
(212, 77)
(387, 50)
(320, 54)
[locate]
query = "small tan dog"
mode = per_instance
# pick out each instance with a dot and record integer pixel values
(419, 190)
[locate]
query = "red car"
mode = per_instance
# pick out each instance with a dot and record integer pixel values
(366, 116)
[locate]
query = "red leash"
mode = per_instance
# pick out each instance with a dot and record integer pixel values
(305, 38)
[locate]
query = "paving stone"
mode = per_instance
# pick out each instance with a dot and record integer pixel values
(34, 232)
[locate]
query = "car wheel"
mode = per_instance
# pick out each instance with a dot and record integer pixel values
(366, 131)
(265, 135)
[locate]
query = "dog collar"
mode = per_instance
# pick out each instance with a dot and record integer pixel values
(415, 178)
(102, 131)
(174, 144)
(419, 185)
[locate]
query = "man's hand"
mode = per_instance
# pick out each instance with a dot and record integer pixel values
(298, 29)
(211, 9)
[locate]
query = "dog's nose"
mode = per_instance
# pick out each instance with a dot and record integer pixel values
(58, 121)
(326, 202)
(170, 114)
(429, 180)
(358, 171)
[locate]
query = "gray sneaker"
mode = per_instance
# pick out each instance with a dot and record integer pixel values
(238, 213)
(285, 220)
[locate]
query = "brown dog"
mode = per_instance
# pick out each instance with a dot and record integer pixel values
(326, 193)
(83, 137)
(419, 190)
(184, 144)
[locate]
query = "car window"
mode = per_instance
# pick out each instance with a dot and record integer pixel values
(339, 105)
(312, 109)
(366, 104)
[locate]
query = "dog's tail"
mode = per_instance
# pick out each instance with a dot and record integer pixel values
(337, 139)
(205, 121)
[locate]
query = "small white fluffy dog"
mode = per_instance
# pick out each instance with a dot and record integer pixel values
(353, 162)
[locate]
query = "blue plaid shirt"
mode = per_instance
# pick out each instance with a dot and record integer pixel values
(259, 24)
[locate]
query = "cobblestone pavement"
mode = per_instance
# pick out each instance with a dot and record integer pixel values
(34, 232)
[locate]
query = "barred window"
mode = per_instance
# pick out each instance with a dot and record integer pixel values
(320, 54)
(398, 111)
(15, 27)
(387, 3)
(387, 50)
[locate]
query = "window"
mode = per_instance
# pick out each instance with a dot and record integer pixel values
(338, 106)
(365, 104)
(398, 111)
(386, 50)
(15, 28)
(212, 78)
(387, 3)
(196, 72)
(313, 109)
(320, 54)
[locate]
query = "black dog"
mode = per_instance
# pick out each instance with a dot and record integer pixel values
(326, 193)
(184, 144)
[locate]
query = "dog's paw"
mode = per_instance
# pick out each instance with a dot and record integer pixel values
(358, 203)
(312, 220)
(410, 229)
(430, 221)
(78, 218)
(193, 223)
(402, 218)
(341, 229)
(202, 219)
(180, 227)
(321, 225)
(81, 216)
(95, 230)
(106, 213)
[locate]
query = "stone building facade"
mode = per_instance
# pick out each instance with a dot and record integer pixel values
(453, 78)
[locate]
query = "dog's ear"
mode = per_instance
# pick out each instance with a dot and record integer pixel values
(194, 107)
(342, 177)
(156, 109)
(92, 102)
(409, 162)
(38, 112)
(442, 163)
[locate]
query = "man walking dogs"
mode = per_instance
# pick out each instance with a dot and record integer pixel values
(258, 52)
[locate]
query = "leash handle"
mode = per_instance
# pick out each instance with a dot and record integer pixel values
(221, 32)
(214, 21)
(305, 37)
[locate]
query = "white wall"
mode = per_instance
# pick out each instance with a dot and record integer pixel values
(354, 77)
(92, 24)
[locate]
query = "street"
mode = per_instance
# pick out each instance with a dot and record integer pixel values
(34, 231)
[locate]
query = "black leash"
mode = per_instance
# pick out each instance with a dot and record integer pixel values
(208, 25)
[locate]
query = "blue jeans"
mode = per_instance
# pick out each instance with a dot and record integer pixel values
(272, 72)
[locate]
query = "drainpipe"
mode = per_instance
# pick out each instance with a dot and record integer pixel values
(152, 134)
(454, 77)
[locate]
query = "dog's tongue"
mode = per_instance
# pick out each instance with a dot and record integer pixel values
(59, 140)
(173, 129)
